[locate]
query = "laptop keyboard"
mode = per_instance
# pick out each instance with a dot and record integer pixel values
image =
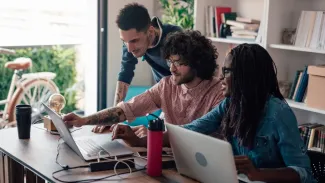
(89, 146)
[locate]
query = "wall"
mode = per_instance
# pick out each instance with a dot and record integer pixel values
(89, 58)
(143, 75)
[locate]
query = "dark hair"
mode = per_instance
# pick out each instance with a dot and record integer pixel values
(194, 49)
(254, 80)
(133, 16)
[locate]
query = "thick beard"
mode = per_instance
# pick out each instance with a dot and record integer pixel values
(187, 78)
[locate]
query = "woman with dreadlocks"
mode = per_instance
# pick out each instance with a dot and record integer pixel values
(256, 120)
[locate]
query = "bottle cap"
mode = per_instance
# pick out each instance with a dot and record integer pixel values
(23, 109)
(156, 125)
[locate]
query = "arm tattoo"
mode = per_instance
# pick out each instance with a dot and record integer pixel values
(107, 117)
(120, 93)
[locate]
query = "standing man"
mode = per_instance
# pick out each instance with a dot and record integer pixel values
(142, 37)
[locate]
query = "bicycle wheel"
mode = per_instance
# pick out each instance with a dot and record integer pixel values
(33, 92)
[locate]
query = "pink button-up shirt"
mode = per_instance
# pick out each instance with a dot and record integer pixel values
(180, 104)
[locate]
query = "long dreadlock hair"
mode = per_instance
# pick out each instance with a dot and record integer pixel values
(254, 80)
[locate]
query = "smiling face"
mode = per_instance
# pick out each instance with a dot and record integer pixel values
(226, 76)
(182, 73)
(137, 42)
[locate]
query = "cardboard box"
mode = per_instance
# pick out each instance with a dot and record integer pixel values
(316, 87)
(48, 124)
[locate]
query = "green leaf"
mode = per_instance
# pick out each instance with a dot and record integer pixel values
(178, 12)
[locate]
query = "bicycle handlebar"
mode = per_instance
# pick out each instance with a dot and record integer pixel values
(6, 51)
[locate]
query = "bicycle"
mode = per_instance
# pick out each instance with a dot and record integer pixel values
(29, 88)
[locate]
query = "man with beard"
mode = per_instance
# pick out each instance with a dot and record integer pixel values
(188, 94)
(142, 36)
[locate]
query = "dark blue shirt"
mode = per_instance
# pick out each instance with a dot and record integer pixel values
(153, 56)
(277, 142)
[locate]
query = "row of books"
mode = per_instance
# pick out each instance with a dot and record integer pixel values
(222, 22)
(298, 90)
(310, 31)
(243, 27)
(313, 135)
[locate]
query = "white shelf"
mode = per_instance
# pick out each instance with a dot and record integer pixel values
(303, 106)
(229, 41)
(295, 48)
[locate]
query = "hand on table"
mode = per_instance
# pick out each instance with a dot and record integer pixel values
(125, 132)
(245, 166)
(140, 131)
(99, 128)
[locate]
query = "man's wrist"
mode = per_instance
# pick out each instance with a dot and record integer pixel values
(120, 93)
(86, 120)
(258, 175)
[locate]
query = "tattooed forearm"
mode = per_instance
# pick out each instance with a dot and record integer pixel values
(107, 117)
(120, 93)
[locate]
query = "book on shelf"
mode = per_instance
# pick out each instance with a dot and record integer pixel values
(247, 20)
(228, 16)
(246, 26)
(219, 10)
(294, 84)
(212, 22)
(299, 85)
(321, 41)
(213, 19)
(207, 21)
(234, 28)
(245, 36)
(310, 31)
(222, 22)
(317, 30)
(241, 39)
(313, 136)
(244, 32)
(301, 89)
(308, 87)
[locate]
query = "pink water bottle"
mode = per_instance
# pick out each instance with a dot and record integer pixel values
(156, 129)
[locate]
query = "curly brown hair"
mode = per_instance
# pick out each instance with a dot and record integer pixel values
(194, 49)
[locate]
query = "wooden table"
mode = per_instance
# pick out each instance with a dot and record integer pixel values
(36, 157)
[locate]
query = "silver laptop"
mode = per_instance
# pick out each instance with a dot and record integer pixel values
(88, 147)
(202, 157)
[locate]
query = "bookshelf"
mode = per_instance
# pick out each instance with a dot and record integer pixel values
(303, 106)
(229, 41)
(275, 16)
(245, 8)
(295, 48)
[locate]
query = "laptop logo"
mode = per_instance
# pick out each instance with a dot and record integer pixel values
(200, 158)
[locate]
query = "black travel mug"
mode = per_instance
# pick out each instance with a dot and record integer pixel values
(24, 120)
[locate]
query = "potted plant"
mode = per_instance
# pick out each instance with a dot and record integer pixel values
(178, 12)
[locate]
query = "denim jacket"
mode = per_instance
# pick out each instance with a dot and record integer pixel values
(277, 141)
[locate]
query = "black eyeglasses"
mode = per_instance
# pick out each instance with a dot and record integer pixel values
(175, 63)
(226, 71)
